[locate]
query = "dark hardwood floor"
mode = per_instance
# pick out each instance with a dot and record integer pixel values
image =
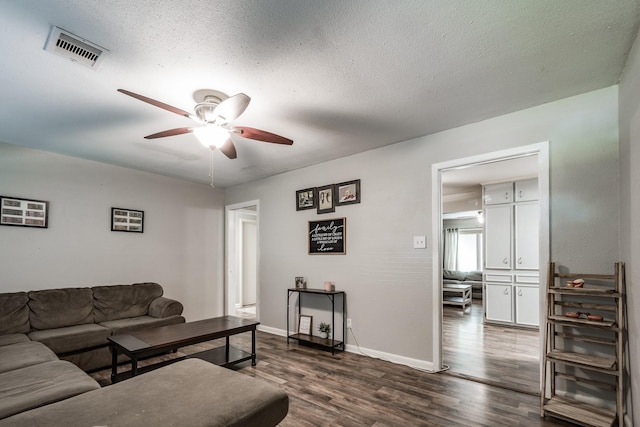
(354, 390)
(508, 357)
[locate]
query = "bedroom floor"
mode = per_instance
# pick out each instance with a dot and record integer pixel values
(496, 355)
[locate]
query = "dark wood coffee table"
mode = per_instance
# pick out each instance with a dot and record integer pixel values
(150, 342)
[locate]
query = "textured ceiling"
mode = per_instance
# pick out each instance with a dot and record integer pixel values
(336, 77)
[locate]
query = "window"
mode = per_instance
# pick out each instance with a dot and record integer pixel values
(470, 250)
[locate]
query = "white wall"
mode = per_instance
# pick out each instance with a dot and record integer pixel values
(388, 284)
(629, 208)
(181, 247)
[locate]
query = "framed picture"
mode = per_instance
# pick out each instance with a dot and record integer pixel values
(348, 192)
(301, 283)
(24, 212)
(127, 220)
(328, 237)
(304, 324)
(306, 199)
(325, 199)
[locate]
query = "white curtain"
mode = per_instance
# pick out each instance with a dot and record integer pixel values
(451, 249)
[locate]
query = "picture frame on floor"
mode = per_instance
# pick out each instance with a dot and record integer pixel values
(20, 212)
(304, 324)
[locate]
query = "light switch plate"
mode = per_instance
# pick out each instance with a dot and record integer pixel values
(419, 242)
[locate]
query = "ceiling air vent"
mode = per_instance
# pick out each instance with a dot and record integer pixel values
(74, 48)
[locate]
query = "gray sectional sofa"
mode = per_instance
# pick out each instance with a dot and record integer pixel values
(39, 328)
(75, 322)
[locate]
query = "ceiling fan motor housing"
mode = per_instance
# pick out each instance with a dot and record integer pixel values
(206, 111)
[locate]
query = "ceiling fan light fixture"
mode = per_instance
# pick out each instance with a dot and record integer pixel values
(211, 136)
(206, 110)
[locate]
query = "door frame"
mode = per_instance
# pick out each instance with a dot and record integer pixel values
(542, 151)
(233, 256)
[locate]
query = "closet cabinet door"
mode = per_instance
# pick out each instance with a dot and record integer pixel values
(499, 302)
(527, 305)
(498, 225)
(526, 236)
(526, 190)
(495, 194)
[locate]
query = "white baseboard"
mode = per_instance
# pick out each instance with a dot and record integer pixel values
(394, 358)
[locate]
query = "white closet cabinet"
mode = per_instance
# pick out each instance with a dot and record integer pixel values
(511, 283)
(498, 226)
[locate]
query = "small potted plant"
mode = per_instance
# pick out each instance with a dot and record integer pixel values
(325, 329)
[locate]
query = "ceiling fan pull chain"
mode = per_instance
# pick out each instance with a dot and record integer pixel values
(211, 167)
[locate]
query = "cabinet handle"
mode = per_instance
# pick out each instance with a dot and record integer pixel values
(520, 194)
(519, 260)
(506, 291)
(520, 292)
(506, 195)
(505, 260)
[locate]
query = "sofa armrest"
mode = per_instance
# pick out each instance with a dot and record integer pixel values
(165, 307)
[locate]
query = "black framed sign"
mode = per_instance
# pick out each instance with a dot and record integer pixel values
(127, 220)
(328, 237)
(24, 212)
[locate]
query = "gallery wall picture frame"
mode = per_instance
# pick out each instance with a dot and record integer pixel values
(306, 199)
(128, 220)
(305, 324)
(21, 212)
(348, 192)
(326, 199)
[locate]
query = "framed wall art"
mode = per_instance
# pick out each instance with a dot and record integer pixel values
(326, 199)
(328, 236)
(348, 192)
(127, 220)
(24, 212)
(306, 199)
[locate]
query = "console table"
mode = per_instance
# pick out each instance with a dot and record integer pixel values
(327, 343)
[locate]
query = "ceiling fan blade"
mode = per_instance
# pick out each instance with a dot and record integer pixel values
(170, 132)
(159, 104)
(229, 149)
(261, 135)
(231, 108)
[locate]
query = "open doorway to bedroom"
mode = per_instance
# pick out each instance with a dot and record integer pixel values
(472, 343)
(241, 290)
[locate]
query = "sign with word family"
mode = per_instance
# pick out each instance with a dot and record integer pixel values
(328, 236)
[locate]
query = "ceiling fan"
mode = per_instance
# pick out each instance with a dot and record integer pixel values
(215, 111)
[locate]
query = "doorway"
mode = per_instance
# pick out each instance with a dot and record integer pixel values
(241, 289)
(451, 319)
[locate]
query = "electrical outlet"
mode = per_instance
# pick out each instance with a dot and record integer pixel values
(349, 323)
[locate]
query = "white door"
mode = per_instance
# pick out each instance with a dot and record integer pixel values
(249, 262)
(526, 235)
(499, 302)
(527, 305)
(497, 237)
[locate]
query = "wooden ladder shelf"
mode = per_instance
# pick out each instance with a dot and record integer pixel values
(583, 358)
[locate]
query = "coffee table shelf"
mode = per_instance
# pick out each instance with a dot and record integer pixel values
(151, 342)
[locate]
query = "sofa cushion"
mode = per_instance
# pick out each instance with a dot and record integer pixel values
(24, 354)
(124, 326)
(189, 393)
(122, 301)
(453, 275)
(14, 313)
(37, 385)
(72, 338)
(13, 339)
(57, 308)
